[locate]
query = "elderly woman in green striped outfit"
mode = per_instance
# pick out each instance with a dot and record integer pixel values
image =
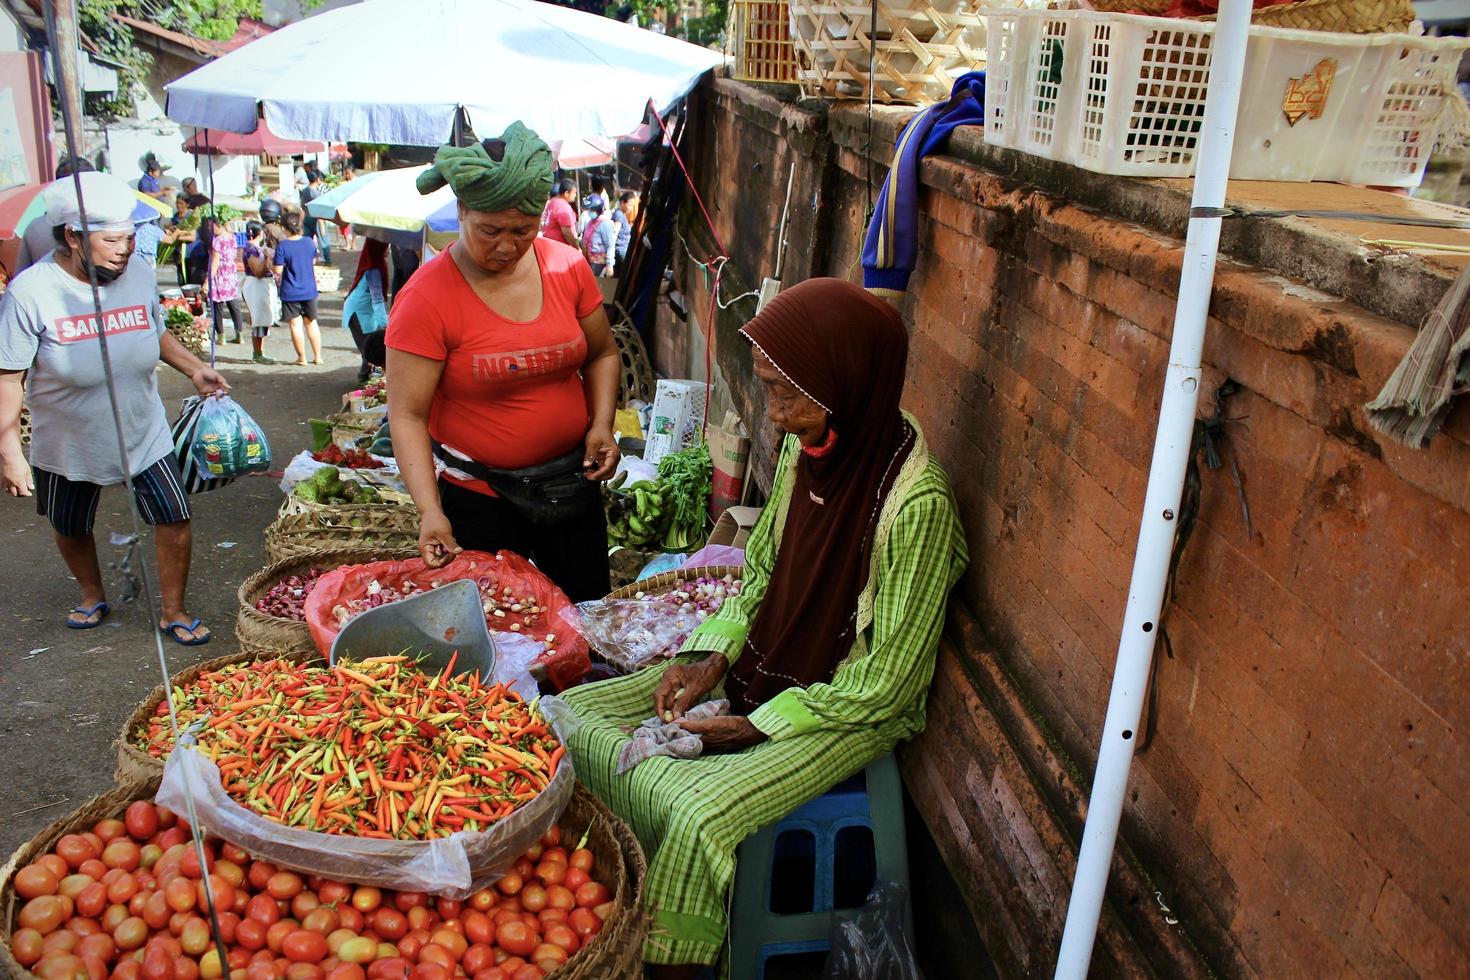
(826, 656)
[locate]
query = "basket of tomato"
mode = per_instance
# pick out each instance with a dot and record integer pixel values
(117, 890)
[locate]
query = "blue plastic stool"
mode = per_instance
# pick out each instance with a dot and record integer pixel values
(756, 933)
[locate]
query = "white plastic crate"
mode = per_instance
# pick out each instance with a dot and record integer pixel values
(1123, 94)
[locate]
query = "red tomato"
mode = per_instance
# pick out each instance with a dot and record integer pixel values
(429, 971)
(483, 900)
(575, 878)
(128, 969)
(230, 871)
(303, 971)
(131, 934)
(561, 897)
(250, 933)
(409, 946)
(35, 880)
(366, 898)
(122, 853)
(450, 909)
(171, 837)
(346, 971)
(224, 894)
(528, 972)
(478, 929)
(157, 964)
(194, 937)
(391, 924)
(44, 914)
(60, 941)
(284, 885)
(73, 885)
(179, 894)
(148, 856)
(408, 900)
(582, 859)
(533, 897)
(333, 892)
(357, 950)
(419, 918)
(74, 849)
(478, 957)
(434, 953)
(156, 910)
(263, 909)
(92, 901)
(592, 894)
(548, 956)
(391, 968)
(552, 837)
(100, 945)
(565, 937)
(551, 872)
(189, 865)
(322, 920)
(584, 922)
(515, 938)
(350, 918)
(61, 967)
(259, 873)
(83, 926)
(512, 904)
(303, 903)
(511, 884)
(116, 913)
(141, 820)
(305, 946)
(122, 889)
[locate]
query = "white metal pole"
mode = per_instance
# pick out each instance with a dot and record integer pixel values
(1161, 499)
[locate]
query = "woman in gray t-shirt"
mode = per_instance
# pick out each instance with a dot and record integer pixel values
(48, 338)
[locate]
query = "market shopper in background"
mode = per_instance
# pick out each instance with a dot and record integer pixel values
(259, 289)
(48, 331)
(827, 653)
(294, 264)
(600, 240)
(365, 310)
(559, 218)
(503, 366)
(149, 183)
(223, 286)
(625, 217)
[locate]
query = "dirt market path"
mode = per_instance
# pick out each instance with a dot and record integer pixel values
(66, 693)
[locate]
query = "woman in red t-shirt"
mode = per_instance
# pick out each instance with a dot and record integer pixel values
(504, 370)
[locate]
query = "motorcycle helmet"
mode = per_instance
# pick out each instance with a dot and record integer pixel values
(270, 210)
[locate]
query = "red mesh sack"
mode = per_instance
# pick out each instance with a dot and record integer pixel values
(566, 660)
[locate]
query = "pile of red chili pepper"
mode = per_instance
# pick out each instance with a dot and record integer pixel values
(374, 748)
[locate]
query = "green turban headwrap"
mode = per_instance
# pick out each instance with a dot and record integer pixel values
(521, 179)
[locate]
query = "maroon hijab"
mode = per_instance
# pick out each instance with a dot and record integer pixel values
(374, 256)
(846, 350)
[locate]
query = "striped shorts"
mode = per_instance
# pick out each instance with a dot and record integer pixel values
(71, 505)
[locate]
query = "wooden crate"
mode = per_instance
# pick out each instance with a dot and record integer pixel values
(760, 33)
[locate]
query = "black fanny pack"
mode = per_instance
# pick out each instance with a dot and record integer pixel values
(547, 493)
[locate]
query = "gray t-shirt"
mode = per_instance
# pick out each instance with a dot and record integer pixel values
(48, 327)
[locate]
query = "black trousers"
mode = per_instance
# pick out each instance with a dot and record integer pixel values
(573, 554)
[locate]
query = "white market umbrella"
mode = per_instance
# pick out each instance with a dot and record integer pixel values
(566, 74)
(391, 200)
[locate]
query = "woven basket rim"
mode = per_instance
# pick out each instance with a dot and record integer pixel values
(260, 582)
(133, 762)
(665, 581)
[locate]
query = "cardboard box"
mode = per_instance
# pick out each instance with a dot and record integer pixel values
(734, 526)
(678, 407)
(729, 451)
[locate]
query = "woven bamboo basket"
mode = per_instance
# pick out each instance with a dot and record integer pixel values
(917, 51)
(637, 379)
(264, 634)
(109, 804)
(370, 527)
(613, 954)
(1342, 16)
(133, 763)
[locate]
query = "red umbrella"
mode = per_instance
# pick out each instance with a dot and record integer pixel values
(249, 144)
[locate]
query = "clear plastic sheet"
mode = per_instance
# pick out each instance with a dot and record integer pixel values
(874, 944)
(632, 633)
(455, 867)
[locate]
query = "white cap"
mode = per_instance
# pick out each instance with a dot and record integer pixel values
(109, 203)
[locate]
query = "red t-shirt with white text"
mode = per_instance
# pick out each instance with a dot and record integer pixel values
(557, 215)
(511, 394)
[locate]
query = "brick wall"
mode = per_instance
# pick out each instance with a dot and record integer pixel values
(1302, 808)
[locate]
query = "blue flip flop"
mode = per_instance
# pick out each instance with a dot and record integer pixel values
(178, 624)
(103, 607)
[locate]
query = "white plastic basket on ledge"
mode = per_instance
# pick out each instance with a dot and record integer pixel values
(1123, 94)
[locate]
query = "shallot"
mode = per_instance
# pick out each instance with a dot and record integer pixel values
(287, 598)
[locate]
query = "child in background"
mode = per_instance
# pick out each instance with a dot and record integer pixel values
(259, 290)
